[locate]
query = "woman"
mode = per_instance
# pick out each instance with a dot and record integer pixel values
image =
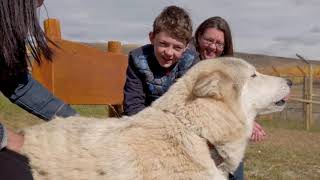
(213, 39)
(19, 27)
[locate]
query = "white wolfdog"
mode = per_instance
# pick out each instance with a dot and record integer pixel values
(214, 103)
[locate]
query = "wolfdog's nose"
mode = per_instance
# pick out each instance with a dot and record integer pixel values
(289, 82)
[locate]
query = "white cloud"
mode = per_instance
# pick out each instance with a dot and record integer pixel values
(273, 27)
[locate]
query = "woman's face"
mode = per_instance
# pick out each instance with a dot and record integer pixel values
(211, 43)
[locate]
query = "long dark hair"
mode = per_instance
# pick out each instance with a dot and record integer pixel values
(220, 24)
(19, 28)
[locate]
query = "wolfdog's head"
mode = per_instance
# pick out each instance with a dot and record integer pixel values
(232, 79)
(226, 86)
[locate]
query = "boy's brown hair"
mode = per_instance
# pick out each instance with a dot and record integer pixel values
(176, 22)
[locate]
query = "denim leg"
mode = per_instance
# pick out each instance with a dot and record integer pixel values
(36, 99)
(238, 174)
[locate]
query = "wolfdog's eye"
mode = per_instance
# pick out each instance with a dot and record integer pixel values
(254, 75)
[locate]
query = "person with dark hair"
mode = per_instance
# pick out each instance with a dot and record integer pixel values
(19, 29)
(213, 39)
(154, 67)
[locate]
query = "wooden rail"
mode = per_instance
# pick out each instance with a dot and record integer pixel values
(304, 100)
(80, 74)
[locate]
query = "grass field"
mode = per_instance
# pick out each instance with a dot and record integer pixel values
(286, 154)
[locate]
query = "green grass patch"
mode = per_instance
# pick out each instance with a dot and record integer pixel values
(15, 117)
(98, 111)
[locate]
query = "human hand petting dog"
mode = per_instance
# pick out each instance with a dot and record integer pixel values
(15, 141)
(258, 134)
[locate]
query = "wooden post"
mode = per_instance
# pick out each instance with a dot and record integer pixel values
(52, 29)
(311, 93)
(44, 74)
(305, 96)
(114, 47)
(115, 110)
(309, 113)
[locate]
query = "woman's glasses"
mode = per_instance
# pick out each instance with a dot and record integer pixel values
(209, 42)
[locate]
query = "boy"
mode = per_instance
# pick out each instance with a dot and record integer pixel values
(154, 67)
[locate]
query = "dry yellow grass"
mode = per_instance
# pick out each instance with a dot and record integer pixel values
(285, 154)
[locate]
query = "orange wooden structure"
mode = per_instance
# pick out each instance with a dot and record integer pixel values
(80, 74)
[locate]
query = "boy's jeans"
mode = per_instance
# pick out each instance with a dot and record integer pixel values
(36, 99)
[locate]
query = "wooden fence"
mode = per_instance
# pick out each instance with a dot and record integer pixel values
(309, 95)
(80, 74)
(303, 108)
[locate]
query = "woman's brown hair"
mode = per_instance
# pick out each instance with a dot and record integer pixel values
(220, 24)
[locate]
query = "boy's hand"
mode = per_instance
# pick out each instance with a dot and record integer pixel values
(258, 134)
(15, 141)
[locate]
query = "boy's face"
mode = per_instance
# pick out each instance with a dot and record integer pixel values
(167, 49)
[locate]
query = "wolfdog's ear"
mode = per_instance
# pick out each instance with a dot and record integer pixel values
(208, 85)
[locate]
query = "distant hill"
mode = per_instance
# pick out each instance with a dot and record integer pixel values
(267, 64)
(126, 48)
(264, 60)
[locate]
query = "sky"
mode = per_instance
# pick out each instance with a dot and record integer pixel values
(270, 27)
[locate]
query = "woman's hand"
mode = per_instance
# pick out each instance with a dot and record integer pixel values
(15, 141)
(258, 134)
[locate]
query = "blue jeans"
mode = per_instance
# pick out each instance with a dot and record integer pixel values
(238, 174)
(30, 95)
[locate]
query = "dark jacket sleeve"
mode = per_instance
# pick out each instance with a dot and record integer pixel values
(30, 95)
(3, 136)
(134, 95)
